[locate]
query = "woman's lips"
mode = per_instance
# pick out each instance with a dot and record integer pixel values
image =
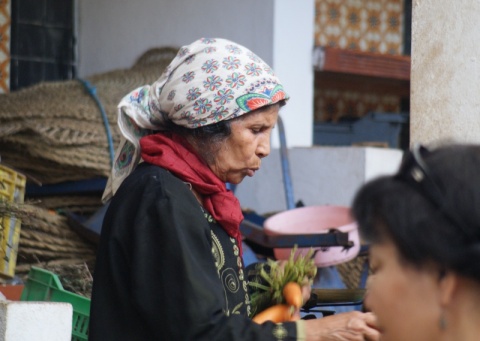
(251, 172)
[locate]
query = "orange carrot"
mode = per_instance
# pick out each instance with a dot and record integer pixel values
(292, 292)
(277, 313)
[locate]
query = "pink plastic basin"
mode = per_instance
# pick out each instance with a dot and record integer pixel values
(314, 220)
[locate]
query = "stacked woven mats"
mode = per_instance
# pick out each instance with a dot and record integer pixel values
(55, 132)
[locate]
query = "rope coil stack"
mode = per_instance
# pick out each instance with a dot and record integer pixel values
(45, 235)
(54, 131)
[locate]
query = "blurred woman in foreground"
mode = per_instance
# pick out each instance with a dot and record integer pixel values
(423, 225)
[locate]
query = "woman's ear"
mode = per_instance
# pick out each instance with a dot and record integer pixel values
(448, 284)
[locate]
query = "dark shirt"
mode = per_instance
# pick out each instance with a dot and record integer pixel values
(166, 270)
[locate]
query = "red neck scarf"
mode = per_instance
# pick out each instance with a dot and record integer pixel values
(174, 153)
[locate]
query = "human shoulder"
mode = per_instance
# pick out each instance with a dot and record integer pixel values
(147, 178)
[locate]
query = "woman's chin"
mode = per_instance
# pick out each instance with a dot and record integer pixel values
(235, 180)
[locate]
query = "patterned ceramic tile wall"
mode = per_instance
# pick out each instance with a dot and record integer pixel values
(4, 45)
(364, 25)
(333, 104)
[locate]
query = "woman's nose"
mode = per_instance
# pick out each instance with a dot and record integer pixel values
(263, 148)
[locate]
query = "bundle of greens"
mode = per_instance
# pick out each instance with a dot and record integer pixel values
(270, 278)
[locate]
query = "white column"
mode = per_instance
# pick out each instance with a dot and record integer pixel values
(293, 32)
(445, 79)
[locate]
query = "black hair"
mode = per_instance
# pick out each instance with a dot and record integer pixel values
(389, 208)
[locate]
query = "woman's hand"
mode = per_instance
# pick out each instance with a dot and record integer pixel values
(351, 326)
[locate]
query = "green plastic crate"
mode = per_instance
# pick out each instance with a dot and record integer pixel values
(43, 285)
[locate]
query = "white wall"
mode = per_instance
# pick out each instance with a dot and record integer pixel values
(113, 34)
(292, 61)
(319, 175)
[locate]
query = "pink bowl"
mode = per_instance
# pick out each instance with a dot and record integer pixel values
(314, 220)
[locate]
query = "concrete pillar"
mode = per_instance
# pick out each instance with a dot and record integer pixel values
(445, 79)
(35, 321)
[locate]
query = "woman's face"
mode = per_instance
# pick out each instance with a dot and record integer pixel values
(240, 155)
(405, 299)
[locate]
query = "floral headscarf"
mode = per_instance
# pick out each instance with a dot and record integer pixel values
(208, 81)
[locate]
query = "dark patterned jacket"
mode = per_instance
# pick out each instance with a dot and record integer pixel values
(166, 270)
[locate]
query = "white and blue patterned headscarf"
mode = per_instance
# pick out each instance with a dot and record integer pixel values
(210, 80)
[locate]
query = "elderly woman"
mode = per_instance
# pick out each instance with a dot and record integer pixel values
(169, 264)
(424, 228)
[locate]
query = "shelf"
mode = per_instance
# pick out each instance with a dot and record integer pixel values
(350, 70)
(96, 185)
(351, 62)
(349, 82)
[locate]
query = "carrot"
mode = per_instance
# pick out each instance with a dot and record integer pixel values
(276, 313)
(292, 292)
(271, 277)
